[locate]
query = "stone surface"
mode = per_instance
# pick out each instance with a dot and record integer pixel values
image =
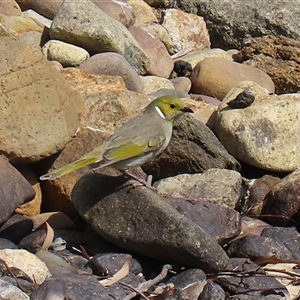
(182, 84)
(40, 112)
(263, 133)
(37, 17)
(161, 64)
(217, 76)
(187, 31)
(83, 24)
(279, 57)
(203, 213)
(218, 186)
(283, 201)
(245, 19)
(15, 190)
(193, 149)
(143, 12)
(14, 26)
(68, 55)
(8, 291)
(10, 8)
(32, 207)
(113, 64)
(120, 214)
(27, 262)
(154, 83)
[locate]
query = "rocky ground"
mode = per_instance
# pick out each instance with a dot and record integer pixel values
(224, 221)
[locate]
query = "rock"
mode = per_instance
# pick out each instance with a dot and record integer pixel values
(75, 288)
(289, 237)
(278, 57)
(10, 8)
(7, 244)
(120, 214)
(243, 20)
(195, 56)
(159, 3)
(283, 202)
(143, 12)
(218, 186)
(252, 285)
(68, 55)
(34, 241)
(182, 84)
(113, 64)
(154, 83)
(170, 92)
(193, 148)
(258, 189)
(108, 264)
(160, 33)
(255, 247)
(11, 292)
(253, 226)
(14, 26)
(27, 262)
(83, 24)
(90, 85)
(212, 291)
(161, 64)
(203, 213)
(16, 228)
(32, 207)
(217, 76)
(56, 265)
(187, 31)
(24, 138)
(37, 17)
(15, 190)
(264, 132)
(120, 10)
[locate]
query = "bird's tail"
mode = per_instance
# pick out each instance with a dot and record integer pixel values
(75, 165)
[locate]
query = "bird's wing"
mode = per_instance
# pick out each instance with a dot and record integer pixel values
(125, 147)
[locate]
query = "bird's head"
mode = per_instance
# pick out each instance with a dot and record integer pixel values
(169, 107)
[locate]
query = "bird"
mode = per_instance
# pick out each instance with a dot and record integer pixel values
(134, 143)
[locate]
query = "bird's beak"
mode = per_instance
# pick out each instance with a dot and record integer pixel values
(187, 109)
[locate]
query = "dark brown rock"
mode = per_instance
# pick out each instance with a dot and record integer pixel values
(192, 149)
(120, 213)
(15, 189)
(279, 57)
(283, 201)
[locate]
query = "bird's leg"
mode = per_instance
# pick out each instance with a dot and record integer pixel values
(147, 183)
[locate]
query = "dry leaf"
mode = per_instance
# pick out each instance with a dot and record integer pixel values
(287, 279)
(193, 290)
(49, 237)
(57, 220)
(123, 272)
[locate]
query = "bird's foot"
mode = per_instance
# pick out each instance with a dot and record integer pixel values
(140, 181)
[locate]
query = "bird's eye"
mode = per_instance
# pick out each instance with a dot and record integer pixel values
(172, 106)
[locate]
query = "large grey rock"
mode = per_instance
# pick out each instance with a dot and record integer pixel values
(243, 19)
(264, 133)
(193, 149)
(39, 110)
(139, 220)
(84, 24)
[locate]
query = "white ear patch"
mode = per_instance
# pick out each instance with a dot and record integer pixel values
(159, 112)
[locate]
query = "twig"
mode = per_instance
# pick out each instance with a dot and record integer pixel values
(145, 286)
(134, 290)
(12, 274)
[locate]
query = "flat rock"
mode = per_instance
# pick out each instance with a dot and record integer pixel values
(263, 133)
(143, 12)
(84, 24)
(216, 76)
(15, 189)
(51, 115)
(121, 215)
(193, 149)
